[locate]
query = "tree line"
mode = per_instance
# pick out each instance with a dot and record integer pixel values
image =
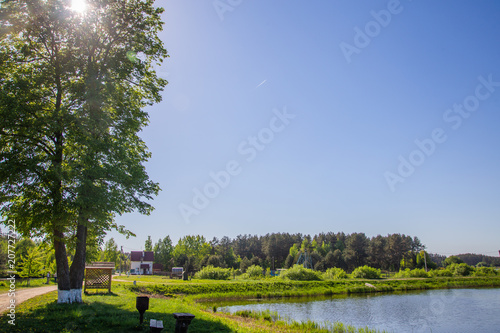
(283, 250)
(393, 252)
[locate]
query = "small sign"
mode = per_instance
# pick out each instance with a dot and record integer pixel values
(156, 323)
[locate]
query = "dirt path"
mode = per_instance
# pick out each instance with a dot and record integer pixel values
(22, 295)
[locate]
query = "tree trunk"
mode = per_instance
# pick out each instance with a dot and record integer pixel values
(78, 266)
(63, 285)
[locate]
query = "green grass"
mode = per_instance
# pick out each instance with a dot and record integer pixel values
(113, 312)
(158, 279)
(21, 284)
(116, 312)
(271, 288)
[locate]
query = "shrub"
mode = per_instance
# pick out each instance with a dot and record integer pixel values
(213, 273)
(419, 272)
(254, 272)
(440, 272)
(403, 274)
(461, 269)
(366, 272)
(335, 274)
(485, 271)
(415, 273)
(299, 273)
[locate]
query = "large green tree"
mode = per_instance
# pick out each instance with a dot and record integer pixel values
(32, 264)
(190, 250)
(110, 252)
(356, 250)
(71, 106)
(163, 252)
(148, 245)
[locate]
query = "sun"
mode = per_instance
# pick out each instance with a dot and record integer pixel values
(78, 5)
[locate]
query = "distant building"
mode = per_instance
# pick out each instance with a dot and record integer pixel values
(157, 268)
(141, 262)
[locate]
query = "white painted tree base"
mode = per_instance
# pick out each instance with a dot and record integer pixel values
(69, 296)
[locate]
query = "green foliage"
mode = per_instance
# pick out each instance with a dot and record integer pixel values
(421, 259)
(419, 273)
(110, 252)
(335, 274)
(473, 259)
(32, 264)
(244, 264)
(356, 251)
(22, 248)
(403, 273)
(213, 273)
(215, 260)
(294, 250)
(408, 273)
(224, 250)
(440, 272)
(325, 248)
(454, 269)
(71, 108)
(254, 272)
(307, 245)
(3, 254)
(163, 250)
(148, 245)
(266, 315)
(485, 271)
(299, 273)
(49, 260)
(366, 272)
(461, 269)
(191, 246)
(452, 260)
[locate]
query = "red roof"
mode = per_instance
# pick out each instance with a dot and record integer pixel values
(135, 255)
(142, 256)
(149, 256)
(145, 266)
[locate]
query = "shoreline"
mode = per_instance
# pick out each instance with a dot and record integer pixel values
(269, 289)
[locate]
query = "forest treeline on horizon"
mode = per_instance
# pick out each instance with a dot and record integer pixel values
(282, 250)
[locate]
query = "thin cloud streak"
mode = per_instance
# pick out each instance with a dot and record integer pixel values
(261, 83)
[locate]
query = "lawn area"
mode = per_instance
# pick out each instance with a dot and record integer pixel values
(159, 279)
(21, 284)
(113, 312)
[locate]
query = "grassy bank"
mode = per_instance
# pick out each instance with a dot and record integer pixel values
(281, 288)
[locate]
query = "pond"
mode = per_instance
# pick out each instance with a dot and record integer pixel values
(436, 311)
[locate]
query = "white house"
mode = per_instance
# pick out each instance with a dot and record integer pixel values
(141, 262)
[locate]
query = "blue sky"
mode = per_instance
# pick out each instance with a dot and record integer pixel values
(307, 114)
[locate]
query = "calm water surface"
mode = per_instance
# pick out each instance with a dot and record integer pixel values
(437, 311)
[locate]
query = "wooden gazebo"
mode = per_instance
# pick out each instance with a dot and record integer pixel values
(98, 275)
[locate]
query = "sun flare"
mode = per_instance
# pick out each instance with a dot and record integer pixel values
(78, 5)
